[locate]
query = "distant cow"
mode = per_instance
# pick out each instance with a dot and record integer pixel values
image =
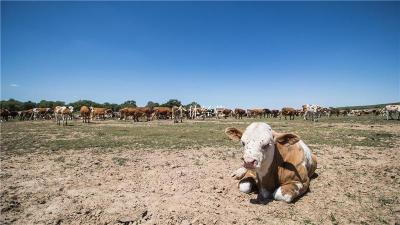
(85, 114)
(97, 113)
(288, 112)
(391, 110)
(223, 112)
(267, 113)
(162, 113)
(4, 114)
(42, 113)
(311, 112)
(178, 113)
(255, 112)
(62, 114)
(274, 113)
(239, 113)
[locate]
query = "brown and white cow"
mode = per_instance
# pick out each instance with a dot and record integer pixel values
(291, 112)
(178, 113)
(97, 113)
(277, 165)
(85, 114)
(42, 113)
(63, 113)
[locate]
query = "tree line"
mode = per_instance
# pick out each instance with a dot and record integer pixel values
(15, 105)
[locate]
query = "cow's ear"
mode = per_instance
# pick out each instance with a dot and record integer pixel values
(284, 138)
(233, 133)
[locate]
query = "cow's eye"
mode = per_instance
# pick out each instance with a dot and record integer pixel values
(266, 146)
(242, 143)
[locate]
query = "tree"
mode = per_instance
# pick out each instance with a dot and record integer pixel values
(193, 104)
(11, 105)
(129, 103)
(151, 104)
(28, 105)
(172, 102)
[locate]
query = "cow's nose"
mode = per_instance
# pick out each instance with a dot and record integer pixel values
(249, 163)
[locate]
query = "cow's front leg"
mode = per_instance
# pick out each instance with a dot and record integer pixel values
(290, 191)
(247, 179)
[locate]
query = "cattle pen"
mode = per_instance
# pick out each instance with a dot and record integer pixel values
(158, 172)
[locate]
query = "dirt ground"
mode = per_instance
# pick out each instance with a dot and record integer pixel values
(355, 185)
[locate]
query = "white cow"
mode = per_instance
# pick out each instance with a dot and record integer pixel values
(389, 110)
(312, 112)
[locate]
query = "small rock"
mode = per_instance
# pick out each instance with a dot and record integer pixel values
(185, 222)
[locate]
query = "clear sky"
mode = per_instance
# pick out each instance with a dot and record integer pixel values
(246, 54)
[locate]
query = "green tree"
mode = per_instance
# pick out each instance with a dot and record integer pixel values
(193, 104)
(172, 102)
(151, 104)
(129, 103)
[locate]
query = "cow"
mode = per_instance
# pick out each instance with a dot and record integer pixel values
(25, 114)
(4, 114)
(162, 112)
(97, 113)
(140, 112)
(41, 113)
(288, 112)
(85, 114)
(277, 165)
(14, 114)
(195, 112)
(311, 112)
(267, 113)
(389, 110)
(274, 113)
(63, 113)
(225, 113)
(178, 113)
(255, 112)
(239, 113)
(334, 111)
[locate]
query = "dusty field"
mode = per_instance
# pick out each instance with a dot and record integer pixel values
(115, 172)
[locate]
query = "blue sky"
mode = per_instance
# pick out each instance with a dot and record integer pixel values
(247, 54)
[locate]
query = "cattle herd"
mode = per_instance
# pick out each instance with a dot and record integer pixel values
(62, 114)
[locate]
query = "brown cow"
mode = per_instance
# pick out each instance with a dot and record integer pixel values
(85, 114)
(142, 111)
(162, 112)
(98, 112)
(239, 113)
(255, 112)
(4, 114)
(288, 112)
(275, 113)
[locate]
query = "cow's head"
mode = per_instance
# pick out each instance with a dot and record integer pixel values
(259, 142)
(71, 108)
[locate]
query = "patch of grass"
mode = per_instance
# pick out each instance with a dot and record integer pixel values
(385, 200)
(59, 159)
(333, 219)
(308, 221)
(30, 136)
(119, 161)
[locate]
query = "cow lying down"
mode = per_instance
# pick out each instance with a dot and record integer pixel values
(277, 165)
